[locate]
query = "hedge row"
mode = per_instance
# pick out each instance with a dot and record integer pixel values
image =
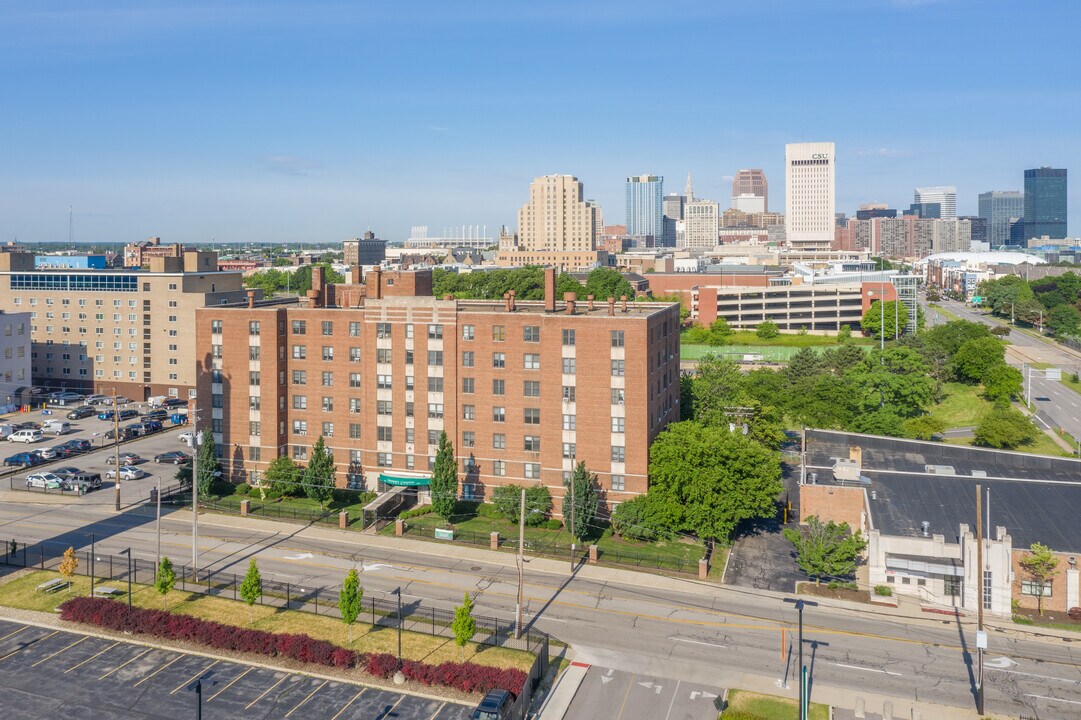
(112, 615)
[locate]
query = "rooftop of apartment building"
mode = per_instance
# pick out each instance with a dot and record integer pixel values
(191, 261)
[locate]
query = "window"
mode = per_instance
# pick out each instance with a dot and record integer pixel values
(256, 454)
(435, 384)
(328, 327)
(469, 439)
(568, 337)
(384, 433)
(253, 352)
(300, 377)
(618, 425)
(618, 482)
(435, 332)
(531, 443)
(619, 454)
(1031, 587)
(354, 431)
(253, 327)
(498, 333)
(328, 378)
(467, 332)
(215, 350)
(467, 358)
(532, 471)
(532, 361)
(569, 450)
(408, 332)
(570, 422)
(354, 405)
(435, 357)
(499, 414)
(499, 387)
(569, 366)
(531, 333)
(499, 360)
(951, 585)
(299, 327)
(617, 368)
(254, 377)
(382, 330)
(433, 437)
(408, 357)
(354, 354)
(410, 435)
(383, 382)
(987, 589)
(354, 380)
(383, 459)
(435, 411)
(531, 416)
(328, 404)
(328, 352)
(499, 468)
(617, 396)
(409, 462)
(383, 355)
(468, 386)
(383, 407)
(300, 427)
(215, 325)
(568, 393)
(409, 409)
(531, 388)
(499, 441)
(354, 329)
(300, 352)
(469, 412)
(617, 338)
(300, 402)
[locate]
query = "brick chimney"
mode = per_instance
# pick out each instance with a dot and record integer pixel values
(590, 299)
(318, 278)
(354, 275)
(374, 281)
(506, 301)
(623, 303)
(549, 289)
(611, 306)
(251, 298)
(571, 299)
(510, 303)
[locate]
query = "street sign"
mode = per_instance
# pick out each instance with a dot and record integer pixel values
(441, 534)
(1053, 374)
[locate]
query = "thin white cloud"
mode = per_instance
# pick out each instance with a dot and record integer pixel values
(883, 152)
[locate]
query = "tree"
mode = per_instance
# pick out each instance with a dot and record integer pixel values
(897, 379)
(444, 484)
(583, 486)
(464, 626)
(1002, 382)
(183, 476)
(349, 600)
(826, 550)
(209, 468)
(251, 590)
(844, 334)
(975, 357)
(284, 476)
(640, 518)
(1064, 320)
(1041, 565)
(708, 480)
(165, 580)
(69, 563)
(767, 330)
(871, 324)
(604, 283)
(719, 332)
(538, 503)
(319, 475)
(804, 364)
(566, 283)
(716, 385)
(924, 427)
(1005, 428)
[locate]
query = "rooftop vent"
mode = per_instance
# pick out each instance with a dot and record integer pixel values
(926, 528)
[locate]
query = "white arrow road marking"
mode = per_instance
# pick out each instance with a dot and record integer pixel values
(999, 663)
(605, 679)
(865, 669)
(374, 566)
(301, 556)
(650, 686)
(610, 671)
(646, 685)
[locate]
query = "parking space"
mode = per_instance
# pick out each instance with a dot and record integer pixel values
(626, 696)
(48, 673)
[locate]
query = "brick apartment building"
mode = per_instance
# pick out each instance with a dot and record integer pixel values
(522, 389)
(94, 330)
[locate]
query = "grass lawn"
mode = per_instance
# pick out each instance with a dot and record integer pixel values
(1043, 445)
(1075, 386)
(302, 505)
(744, 337)
(771, 707)
(961, 405)
(943, 311)
(773, 353)
(367, 638)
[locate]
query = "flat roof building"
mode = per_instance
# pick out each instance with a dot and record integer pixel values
(367, 250)
(810, 195)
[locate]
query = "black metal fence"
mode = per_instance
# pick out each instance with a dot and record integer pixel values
(379, 611)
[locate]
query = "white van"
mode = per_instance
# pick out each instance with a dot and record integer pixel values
(156, 400)
(56, 427)
(25, 436)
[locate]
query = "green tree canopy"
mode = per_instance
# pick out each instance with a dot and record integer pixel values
(444, 484)
(767, 330)
(604, 283)
(165, 580)
(349, 600)
(1002, 382)
(538, 503)
(1004, 427)
(1041, 566)
(976, 357)
(583, 486)
(826, 550)
(251, 590)
(319, 475)
(1064, 320)
(284, 476)
(896, 319)
(464, 625)
(207, 465)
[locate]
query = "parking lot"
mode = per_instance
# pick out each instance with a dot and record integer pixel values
(99, 460)
(59, 674)
(608, 693)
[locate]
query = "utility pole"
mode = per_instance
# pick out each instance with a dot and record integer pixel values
(158, 522)
(803, 456)
(574, 462)
(800, 604)
(116, 448)
(194, 492)
(521, 567)
(981, 640)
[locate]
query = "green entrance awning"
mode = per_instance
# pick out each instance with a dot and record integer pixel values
(404, 481)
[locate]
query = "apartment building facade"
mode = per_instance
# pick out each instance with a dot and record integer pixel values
(93, 330)
(522, 389)
(15, 354)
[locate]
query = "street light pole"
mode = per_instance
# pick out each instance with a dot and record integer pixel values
(521, 568)
(128, 553)
(398, 591)
(116, 448)
(800, 604)
(980, 637)
(573, 536)
(157, 562)
(194, 492)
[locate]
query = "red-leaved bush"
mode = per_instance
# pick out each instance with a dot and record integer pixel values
(112, 615)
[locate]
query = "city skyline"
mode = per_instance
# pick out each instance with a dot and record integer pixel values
(191, 123)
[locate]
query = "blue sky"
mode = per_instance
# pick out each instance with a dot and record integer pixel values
(311, 121)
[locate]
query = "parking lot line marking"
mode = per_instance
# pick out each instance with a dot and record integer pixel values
(140, 682)
(230, 684)
(388, 714)
(15, 632)
(248, 706)
(306, 699)
(32, 642)
(84, 662)
(437, 711)
(338, 714)
(144, 652)
(193, 678)
(83, 639)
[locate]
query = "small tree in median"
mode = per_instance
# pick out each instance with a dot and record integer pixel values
(349, 600)
(464, 625)
(165, 580)
(252, 589)
(69, 564)
(1041, 565)
(826, 549)
(444, 484)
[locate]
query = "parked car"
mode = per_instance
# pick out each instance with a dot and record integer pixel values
(180, 418)
(67, 398)
(126, 433)
(48, 453)
(77, 446)
(84, 481)
(158, 415)
(56, 427)
(28, 425)
(495, 706)
(121, 400)
(127, 472)
(65, 472)
(25, 436)
(152, 426)
(46, 480)
(83, 411)
(125, 414)
(23, 459)
(174, 403)
(5, 430)
(98, 400)
(173, 456)
(126, 458)
(186, 437)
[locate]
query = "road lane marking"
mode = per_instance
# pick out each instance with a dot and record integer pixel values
(697, 642)
(14, 633)
(95, 655)
(623, 704)
(193, 678)
(388, 714)
(309, 698)
(140, 682)
(866, 669)
(248, 706)
(1042, 677)
(144, 652)
(84, 639)
(344, 707)
(32, 642)
(230, 684)
(1053, 699)
(672, 704)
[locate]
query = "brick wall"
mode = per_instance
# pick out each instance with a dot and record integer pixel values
(831, 502)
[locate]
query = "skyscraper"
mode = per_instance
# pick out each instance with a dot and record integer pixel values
(750, 191)
(997, 207)
(1045, 203)
(556, 218)
(672, 207)
(944, 195)
(701, 225)
(644, 206)
(810, 195)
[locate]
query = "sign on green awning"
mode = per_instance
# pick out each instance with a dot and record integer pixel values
(404, 481)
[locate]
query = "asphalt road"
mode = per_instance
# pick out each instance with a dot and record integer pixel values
(51, 674)
(727, 637)
(608, 693)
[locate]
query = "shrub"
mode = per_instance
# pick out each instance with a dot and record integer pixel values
(741, 715)
(273, 495)
(242, 489)
(488, 510)
(883, 590)
(838, 585)
(1022, 620)
(1074, 613)
(415, 512)
(553, 524)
